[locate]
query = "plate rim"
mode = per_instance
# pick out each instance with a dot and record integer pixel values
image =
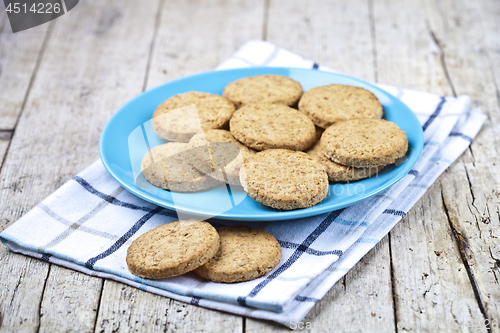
(265, 215)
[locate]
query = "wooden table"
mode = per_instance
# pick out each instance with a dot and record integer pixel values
(61, 82)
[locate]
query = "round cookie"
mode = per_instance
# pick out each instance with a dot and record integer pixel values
(226, 155)
(364, 142)
(245, 254)
(212, 111)
(338, 172)
(266, 126)
(170, 166)
(263, 88)
(326, 105)
(284, 179)
(172, 249)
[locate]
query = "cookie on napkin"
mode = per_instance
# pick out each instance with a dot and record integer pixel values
(245, 254)
(172, 249)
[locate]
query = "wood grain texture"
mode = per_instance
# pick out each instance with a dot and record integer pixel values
(336, 34)
(431, 289)
(139, 311)
(87, 71)
(19, 53)
(195, 36)
(407, 57)
(70, 301)
(470, 187)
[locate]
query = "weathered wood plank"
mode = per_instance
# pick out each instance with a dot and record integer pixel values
(363, 295)
(338, 35)
(18, 58)
(407, 57)
(70, 301)
(433, 291)
(332, 33)
(144, 312)
(192, 36)
(195, 36)
(88, 70)
(432, 288)
(468, 34)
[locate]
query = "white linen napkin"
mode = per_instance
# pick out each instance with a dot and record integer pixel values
(89, 222)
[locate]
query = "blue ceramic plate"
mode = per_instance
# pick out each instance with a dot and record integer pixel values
(127, 135)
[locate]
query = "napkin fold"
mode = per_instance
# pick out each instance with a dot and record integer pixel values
(89, 222)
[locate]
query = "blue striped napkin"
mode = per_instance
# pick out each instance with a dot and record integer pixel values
(89, 222)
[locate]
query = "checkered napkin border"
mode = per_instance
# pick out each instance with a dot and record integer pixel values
(89, 222)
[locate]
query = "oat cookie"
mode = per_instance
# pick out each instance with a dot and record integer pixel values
(338, 172)
(212, 111)
(245, 254)
(364, 142)
(265, 126)
(263, 88)
(169, 166)
(172, 249)
(226, 155)
(326, 105)
(284, 179)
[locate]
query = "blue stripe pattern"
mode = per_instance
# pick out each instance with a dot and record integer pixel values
(367, 240)
(295, 256)
(395, 212)
(435, 114)
(90, 263)
(463, 136)
(290, 245)
(112, 200)
(413, 172)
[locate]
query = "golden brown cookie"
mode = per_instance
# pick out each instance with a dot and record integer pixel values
(326, 105)
(284, 179)
(265, 126)
(338, 172)
(172, 249)
(170, 166)
(245, 254)
(226, 155)
(263, 88)
(175, 120)
(364, 142)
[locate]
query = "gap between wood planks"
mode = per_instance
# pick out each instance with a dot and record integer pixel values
(11, 132)
(40, 314)
(462, 246)
(459, 239)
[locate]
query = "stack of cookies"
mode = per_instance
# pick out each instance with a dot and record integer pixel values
(229, 254)
(282, 145)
